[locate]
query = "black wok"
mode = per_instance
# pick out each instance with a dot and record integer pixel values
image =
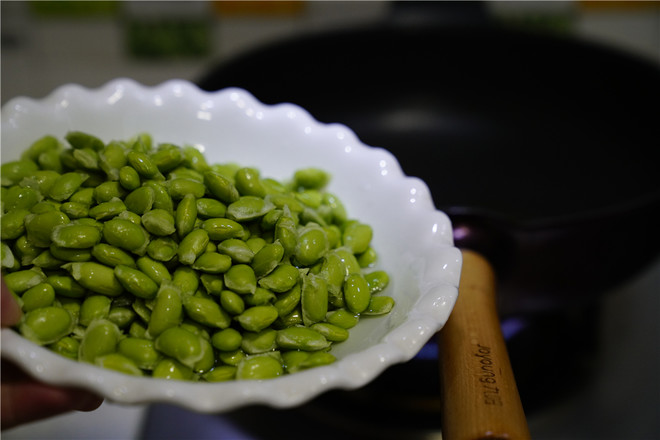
(539, 148)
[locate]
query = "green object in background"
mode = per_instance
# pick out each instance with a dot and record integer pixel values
(168, 37)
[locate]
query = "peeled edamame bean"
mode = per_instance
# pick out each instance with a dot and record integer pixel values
(181, 345)
(100, 338)
(46, 325)
(145, 259)
(258, 368)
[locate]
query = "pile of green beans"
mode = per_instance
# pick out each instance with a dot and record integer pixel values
(145, 259)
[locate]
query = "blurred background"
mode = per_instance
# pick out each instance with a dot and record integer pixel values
(49, 43)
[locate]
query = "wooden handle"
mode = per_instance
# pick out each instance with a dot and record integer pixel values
(480, 396)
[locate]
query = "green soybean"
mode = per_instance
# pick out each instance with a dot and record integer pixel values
(12, 173)
(178, 188)
(221, 373)
(81, 140)
(100, 338)
(112, 256)
(158, 222)
(66, 286)
(107, 210)
(167, 311)
(140, 200)
(143, 165)
(46, 325)
(22, 280)
(129, 179)
(356, 293)
(39, 227)
(136, 282)
(259, 367)
(119, 362)
(241, 279)
(212, 262)
(281, 279)
(162, 248)
(65, 185)
(12, 224)
(222, 228)
(259, 342)
(186, 215)
(379, 305)
(210, 208)
(221, 187)
(228, 339)
(232, 302)
(94, 307)
(66, 346)
(206, 311)
(125, 235)
(314, 299)
(301, 338)
(41, 295)
(257, 318)
(181, 345)
(171, 369)
(95, 277)
(74, 236)
(141, 351)
(192, 246)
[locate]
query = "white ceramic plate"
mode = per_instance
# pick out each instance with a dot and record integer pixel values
(413, 239)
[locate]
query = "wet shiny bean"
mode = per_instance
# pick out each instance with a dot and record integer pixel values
(94, 307)
(119, 362)
(95, 277)
(167, 311)
(212, 262)
(223, 228)
(281, 279)
(237, 249)
(112, 256)
(41, 295)
(181, 345)
(186, 215)
(141, 351)
(159, 222)
(206, 311)
(259, 342)
(46, 325)
(267, 259)
(314, 299)
(259, 367)
(241, 279)
(257, 318)
(22, 280)
(301, 338)
(162, 248)
(74, 236)
(356, 293)
(100, 338)
(232, 302)
(125, 235)
(228, 339)
(192, 246)
(136, 282)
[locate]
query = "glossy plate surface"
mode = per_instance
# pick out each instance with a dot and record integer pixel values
(413, 239)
